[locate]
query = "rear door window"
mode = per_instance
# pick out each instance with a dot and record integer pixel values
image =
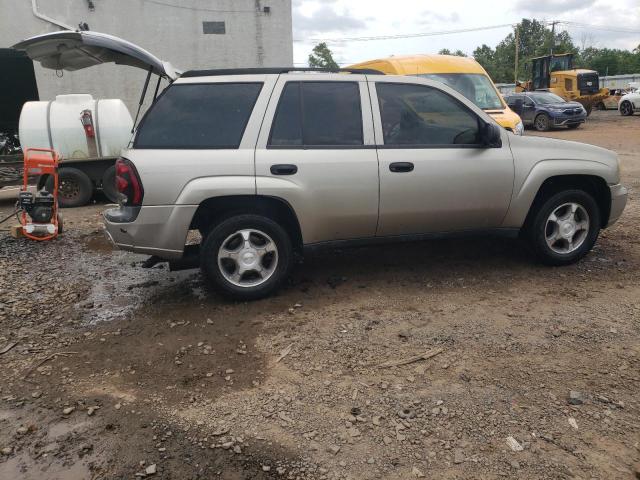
(318, 114)
(199, 116)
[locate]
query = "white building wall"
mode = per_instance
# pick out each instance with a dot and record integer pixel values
(619, 81)
(170, 29)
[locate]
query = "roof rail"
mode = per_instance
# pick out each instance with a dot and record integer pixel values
(276, 71)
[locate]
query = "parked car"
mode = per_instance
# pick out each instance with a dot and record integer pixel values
(611, 102)
(266, 162)
(545, 110)
(630, 102)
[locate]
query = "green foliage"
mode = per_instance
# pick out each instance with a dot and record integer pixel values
(536, 40)
(457, 53)
(607, 61)
(321, 57)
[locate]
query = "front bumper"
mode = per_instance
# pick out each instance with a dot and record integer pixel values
(157, 230)
(561, 119)
(618, 202)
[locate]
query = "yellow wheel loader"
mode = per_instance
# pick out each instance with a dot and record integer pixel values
(555, 73)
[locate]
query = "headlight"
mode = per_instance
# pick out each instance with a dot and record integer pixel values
(519, 130)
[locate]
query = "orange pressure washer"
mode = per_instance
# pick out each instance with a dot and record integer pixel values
(39, 218)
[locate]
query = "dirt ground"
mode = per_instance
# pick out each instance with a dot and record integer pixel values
(122, 372)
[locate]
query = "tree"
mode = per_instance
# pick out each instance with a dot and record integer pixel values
(321, 57)
(534, 40)
(457, 53)
(607, 61)
(486, 56)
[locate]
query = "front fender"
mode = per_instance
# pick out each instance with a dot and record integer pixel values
(524, 196)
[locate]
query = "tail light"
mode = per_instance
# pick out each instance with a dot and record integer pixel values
(128, 183)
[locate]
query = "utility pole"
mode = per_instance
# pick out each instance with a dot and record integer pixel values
(553, 35)
(515, 73)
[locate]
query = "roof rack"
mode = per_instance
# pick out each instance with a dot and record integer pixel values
(276, 71)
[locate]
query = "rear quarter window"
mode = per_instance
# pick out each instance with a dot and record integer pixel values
(199, 116)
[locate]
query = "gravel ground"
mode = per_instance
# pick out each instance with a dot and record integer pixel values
(114, 371)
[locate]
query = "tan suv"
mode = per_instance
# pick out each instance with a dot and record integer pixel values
(263, 163)
(266, 162)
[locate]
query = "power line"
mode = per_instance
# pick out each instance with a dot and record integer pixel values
(463, 30)
(408, 35)
(599, 27)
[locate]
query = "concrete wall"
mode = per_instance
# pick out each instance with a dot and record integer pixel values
(170, 29)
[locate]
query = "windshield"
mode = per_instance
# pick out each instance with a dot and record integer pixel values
(560, 63)
(546, 98)
(475, 86)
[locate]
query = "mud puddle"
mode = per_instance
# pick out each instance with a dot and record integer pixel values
(119, 284)
(99, 244)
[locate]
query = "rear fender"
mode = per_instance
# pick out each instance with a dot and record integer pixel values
(199, 189)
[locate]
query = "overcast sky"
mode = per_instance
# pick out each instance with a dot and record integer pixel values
(315, 20)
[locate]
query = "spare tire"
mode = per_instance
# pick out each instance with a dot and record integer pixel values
(75, 188)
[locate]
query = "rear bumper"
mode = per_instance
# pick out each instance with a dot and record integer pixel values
(157, 230)
(618, 202)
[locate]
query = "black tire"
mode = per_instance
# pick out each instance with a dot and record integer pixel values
(75, 188)
(219, 234)
(626, 109)
(542, 122)
(109, 184)
(601, 106)
(536, 230)
(573, 126)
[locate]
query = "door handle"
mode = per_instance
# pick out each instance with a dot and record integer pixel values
(401, 167)
(284, 169)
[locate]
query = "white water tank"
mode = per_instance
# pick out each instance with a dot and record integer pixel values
(58, 124)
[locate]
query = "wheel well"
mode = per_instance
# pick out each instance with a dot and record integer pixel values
(595, 186)
(214, 210)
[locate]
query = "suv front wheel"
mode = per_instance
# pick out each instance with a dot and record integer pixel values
(247, 256)
(564, 227)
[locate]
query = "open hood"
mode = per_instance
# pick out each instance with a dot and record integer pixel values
(67, 50)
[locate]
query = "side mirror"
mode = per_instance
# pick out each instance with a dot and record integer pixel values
(492, 135)
(518, 105)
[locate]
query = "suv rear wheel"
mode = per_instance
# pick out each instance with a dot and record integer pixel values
(564, 227)
(247, 257)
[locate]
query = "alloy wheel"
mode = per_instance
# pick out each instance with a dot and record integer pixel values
(542, 123)
(567, 228)
(248, 258)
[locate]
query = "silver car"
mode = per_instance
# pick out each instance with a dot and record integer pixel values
(265, 162)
